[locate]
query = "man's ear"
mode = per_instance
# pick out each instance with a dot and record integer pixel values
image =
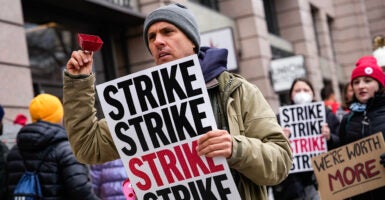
(195, 49)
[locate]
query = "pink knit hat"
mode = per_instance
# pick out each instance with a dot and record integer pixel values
(367, 66)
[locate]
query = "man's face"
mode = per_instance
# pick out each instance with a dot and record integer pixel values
(168, 43)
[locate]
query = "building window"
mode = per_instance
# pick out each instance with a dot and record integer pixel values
(49, 50)
(212, 4)
(316, 21)
(271, 16)
(49, 47)
(330, 22)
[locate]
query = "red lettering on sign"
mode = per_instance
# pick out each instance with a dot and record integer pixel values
(177, 164)
(303, 145)
(356, 174)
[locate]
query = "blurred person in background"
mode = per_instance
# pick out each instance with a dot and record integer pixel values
(303, 185)
(61, 175)
(20, 119)
(107, 179)
(347, 98)
(347, 94)
(329, 98)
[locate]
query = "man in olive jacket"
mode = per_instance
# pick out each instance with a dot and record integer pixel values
(248, 134)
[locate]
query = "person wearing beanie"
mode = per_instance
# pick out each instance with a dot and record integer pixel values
(367, 110)
(248, 134)
(367, 67)
(61, 175)
(46, 107)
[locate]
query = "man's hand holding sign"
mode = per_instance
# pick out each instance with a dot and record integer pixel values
(157, 133)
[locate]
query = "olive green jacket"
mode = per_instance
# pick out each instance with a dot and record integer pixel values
(261, 154)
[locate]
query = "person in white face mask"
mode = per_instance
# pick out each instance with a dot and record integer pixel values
(302, 98)
(303, 186)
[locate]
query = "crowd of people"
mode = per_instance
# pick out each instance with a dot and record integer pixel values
(83, 162)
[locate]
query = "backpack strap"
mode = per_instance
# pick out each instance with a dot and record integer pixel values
(46, 152)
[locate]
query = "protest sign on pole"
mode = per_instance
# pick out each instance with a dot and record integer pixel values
(155, 117)
(305, 122)
(351, 169)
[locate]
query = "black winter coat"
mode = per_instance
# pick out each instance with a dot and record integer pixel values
(352, 129)
(61, 175)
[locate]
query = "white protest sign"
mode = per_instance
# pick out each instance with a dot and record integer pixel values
(305, 122)
(155, 117)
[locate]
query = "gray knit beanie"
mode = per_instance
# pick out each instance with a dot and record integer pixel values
(177, 15)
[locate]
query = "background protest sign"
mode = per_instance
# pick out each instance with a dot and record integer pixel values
(305, 122)
(351, 169)
(155, 117)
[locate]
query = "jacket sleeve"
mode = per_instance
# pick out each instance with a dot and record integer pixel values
(75, 175)
(89, 137)
(260, 150)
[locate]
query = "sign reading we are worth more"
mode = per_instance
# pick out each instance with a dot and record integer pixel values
(305, 123)
(155, 117)
(351, 169)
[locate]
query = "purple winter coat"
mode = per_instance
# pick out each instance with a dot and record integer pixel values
(107, 180)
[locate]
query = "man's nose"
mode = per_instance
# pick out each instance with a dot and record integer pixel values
(159, 40)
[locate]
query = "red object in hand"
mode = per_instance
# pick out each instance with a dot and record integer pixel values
(89, 42)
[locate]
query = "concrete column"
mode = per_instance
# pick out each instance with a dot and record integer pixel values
(296, 26)
(255, 53)
(326, 52)
(352, 37)
(16, 89)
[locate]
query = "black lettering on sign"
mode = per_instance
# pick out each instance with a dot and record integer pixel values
(189, 79)
(143, 86)
(171, 83)
(108, 91)
(285, 115)
(136, 122)
(307, 128)
(363, 147)
(120, 129)
(307, 112)
(200, 189)
(329, 160)
(125, 85)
